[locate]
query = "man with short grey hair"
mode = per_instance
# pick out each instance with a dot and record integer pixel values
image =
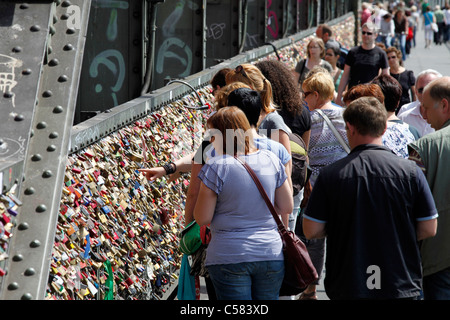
(432, 154)
(411, 113)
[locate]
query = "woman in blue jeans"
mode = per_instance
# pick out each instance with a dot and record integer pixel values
(244, 258)
(401, 30)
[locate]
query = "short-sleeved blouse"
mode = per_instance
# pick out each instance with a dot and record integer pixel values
(324, 148)
(243, 229)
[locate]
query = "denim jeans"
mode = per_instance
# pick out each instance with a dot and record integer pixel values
(437, 285)
(295, 213)
(259, 280)
(402, 41)
(386, 40)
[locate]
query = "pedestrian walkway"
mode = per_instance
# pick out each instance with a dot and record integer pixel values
(435, 57)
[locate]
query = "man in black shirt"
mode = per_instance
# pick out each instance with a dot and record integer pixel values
(364, 62)
(373, 207)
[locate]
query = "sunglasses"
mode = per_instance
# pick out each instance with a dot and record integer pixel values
(367, 33)
(392, 57)
(420, 90)
(240, 69)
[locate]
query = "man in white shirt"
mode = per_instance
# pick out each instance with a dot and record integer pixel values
(411, 113)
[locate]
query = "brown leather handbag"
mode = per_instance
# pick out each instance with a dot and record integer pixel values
(299, 271)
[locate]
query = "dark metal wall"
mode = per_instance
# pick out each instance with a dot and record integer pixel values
(111, 70)
(129, 42)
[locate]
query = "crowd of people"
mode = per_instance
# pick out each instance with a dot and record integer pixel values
(399, 23)
(378, 146)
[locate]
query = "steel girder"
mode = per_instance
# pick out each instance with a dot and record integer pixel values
(45, 42)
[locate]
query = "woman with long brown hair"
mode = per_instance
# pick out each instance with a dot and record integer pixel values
(244, 258)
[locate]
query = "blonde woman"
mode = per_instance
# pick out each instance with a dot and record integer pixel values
(270, 123)
(324, 149)
(315, 52)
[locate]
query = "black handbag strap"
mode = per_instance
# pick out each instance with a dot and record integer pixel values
(274, 213)
(301, 71)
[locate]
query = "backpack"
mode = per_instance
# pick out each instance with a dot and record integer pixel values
(299, 155)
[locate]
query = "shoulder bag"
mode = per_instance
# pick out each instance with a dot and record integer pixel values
(299, 271)
(335, 132)
(301, 73)
(434, 25)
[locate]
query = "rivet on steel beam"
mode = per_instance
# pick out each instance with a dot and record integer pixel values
(63, 78)
(26, 72)
(71, 31)
(66, 4)
(17, 258)
(42, 125)
(30, 272)
(35, 244)
(19, 117)
(53, 62)
(58, 109)
(29, 191)
(24, 6)
(36, 157)
(47, 94)
(8, 94)
(13, 286)
(53, 135)
(41, 208)
(51, 148)
(23, 226)
(68, 47)
(65, 16)
(27, 296)
(35, 28)
(17, 49)
(47, 174)
(52, 30)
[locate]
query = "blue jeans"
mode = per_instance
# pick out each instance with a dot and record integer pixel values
(259, 280)
(294, 215)
(385, 39)
(437, 285)
(402, 40)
